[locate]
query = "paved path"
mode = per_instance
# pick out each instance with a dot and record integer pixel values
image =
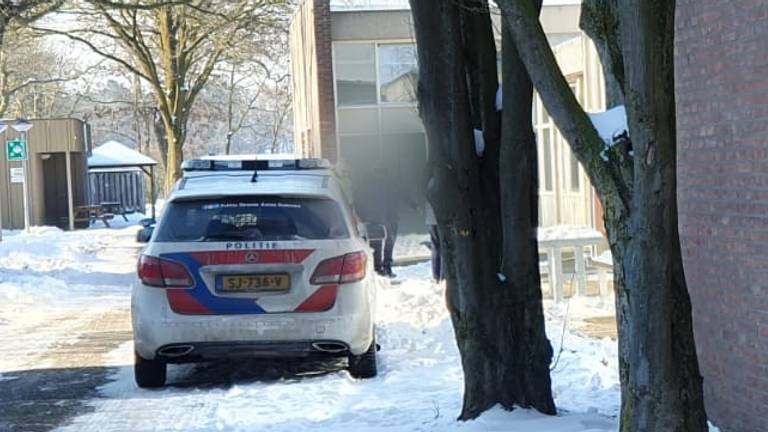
(47, 389)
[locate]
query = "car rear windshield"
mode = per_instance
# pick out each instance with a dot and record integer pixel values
(262, 218)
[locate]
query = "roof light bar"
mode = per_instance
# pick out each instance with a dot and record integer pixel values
(254, 165)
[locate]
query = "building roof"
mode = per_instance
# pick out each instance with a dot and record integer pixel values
(112, 154)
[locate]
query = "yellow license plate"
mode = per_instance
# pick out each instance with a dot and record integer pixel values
(255, 282)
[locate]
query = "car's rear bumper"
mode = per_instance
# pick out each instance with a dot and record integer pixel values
(156, 326)
(205, 351)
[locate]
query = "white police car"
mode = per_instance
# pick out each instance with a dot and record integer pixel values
(255, 259)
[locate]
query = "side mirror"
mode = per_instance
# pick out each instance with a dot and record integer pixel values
(145, 234)
(146, 222)
(375, 232)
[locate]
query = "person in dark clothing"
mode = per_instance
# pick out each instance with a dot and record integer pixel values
(434, 243)
(377, 200)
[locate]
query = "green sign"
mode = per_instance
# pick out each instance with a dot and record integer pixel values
(16, 150)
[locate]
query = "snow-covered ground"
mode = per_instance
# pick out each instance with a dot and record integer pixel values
(53, 273)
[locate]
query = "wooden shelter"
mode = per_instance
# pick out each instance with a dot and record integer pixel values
(57, 150)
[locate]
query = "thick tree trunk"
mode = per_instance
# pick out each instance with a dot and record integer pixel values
(498, 325)
(530, 350)
(661, 383)
(174, 137)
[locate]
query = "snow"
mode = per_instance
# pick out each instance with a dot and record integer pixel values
(419, 386)
(479, 142)
(49, 272)
(567, 232)
(112, 154)
(610, 125)
(252, 156)
(410, 247)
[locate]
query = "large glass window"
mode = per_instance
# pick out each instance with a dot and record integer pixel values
(357, 121)
(400, 120)
(398, 73)
(355, 70)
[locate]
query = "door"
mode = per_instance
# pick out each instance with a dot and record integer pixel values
(55, 210)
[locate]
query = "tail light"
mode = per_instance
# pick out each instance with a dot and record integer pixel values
(341, 269)
(163, 273)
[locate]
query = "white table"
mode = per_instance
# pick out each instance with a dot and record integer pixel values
(552, 241)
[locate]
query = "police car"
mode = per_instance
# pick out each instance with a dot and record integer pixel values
(255, 259)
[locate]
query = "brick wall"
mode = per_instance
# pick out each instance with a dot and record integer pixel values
(326, 99)
(312, 80)
(722, 114)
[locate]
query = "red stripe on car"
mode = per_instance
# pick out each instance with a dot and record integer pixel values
(321, 300)
(253, 256)
(182, 302)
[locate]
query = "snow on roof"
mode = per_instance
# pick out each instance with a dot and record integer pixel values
(369, 5)
(112, 154)
(252, 156)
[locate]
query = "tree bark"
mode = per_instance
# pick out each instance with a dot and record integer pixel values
(600, 21)
(530, 349)
(664, 385)
(661, 383)
(498, 329)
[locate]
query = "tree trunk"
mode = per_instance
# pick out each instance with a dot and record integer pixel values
(600, 21)
(162, 140)
(488, 315)
(174, 136)
(531, 351)
(661, 383)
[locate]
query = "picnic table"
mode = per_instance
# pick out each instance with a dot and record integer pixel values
(92, 213)
(553, 240)
(114, 207)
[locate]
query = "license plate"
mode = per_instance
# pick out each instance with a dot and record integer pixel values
(254, 282)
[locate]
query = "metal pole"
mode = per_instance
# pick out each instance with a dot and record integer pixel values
(152, 189)
(25, 188)
(70, 198)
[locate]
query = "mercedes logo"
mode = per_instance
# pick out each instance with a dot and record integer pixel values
(251, 257)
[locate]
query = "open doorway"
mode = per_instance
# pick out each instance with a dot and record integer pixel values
(55, 210)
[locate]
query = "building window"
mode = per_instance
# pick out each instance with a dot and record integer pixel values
(398, 73)
(401, 120)
(355, 69)
(358, 121)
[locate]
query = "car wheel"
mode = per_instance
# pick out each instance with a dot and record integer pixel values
(149, 373)
(364, 365)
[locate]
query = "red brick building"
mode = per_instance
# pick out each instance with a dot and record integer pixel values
(722, 113)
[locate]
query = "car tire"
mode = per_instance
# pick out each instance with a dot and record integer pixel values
(149, 373)
(364, 365)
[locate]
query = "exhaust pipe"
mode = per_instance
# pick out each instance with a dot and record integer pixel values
(175, 350)
(329, 347)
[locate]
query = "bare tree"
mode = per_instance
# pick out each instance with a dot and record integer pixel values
(174, 47)
(661, 382)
